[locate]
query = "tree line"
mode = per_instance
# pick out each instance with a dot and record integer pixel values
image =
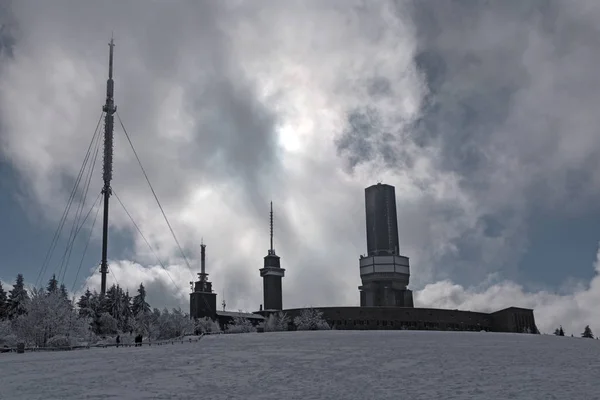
(47, 317)
(587, 332)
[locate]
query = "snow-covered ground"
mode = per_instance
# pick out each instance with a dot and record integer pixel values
(316, 365)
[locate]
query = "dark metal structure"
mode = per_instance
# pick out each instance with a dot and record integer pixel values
(272, 273)
(382, 221)
(109, 109)
(203, 302)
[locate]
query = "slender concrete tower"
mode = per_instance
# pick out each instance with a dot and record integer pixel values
(272, 274)
(203, 302)
(383, 271)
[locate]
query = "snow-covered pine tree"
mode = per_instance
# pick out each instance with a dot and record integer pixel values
(587, 332)
(114, 304)
(3, 303)
(140, 310)
(85, 304)
(126, 314)
(96, 307)
(52, 285)
(139, 304)
(311, 319)
(64, 294)
(17, 298)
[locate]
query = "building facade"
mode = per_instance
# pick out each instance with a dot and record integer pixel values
(517, 320)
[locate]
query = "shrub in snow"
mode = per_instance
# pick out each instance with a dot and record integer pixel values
(277, 322)
(107, 324)
(59, 341)
(206, 325)
(172, 324)
(241, 325)
(7, 337)
(311, 319)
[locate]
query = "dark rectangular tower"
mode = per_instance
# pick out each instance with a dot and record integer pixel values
(382, 222)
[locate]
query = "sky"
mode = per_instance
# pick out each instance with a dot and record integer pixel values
(482, 115)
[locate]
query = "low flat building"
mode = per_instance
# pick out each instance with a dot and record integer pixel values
(518, 320)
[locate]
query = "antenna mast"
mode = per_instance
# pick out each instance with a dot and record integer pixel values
(271, 250)
(109, 108)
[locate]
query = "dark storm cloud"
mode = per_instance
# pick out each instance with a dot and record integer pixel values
(231, 104)
(237, 138)
(512, 78)
(511, 89)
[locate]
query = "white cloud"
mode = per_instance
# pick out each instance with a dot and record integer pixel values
(573, 310)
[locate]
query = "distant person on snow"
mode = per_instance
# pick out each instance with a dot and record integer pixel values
(118, 340)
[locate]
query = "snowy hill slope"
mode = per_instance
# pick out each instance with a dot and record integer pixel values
(317, 365)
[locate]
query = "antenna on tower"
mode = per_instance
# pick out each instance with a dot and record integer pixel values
(271, 250)
(223, 302)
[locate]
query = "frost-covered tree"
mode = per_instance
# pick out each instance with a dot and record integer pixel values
(206, 325)
(7, 335)
(85, 305)
(587, 332)
(118, 305)
(17, 298)
(181, 323)
(3, 303)
(64, 294)
(139, 304)
(277, 322)
(95, 308)
(47, 315)
(240, 325)
(311, 319)
(172, 324)
(107, 325)
(126, 313)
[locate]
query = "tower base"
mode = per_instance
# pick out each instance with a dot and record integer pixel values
(203, 304)
(380, 295)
